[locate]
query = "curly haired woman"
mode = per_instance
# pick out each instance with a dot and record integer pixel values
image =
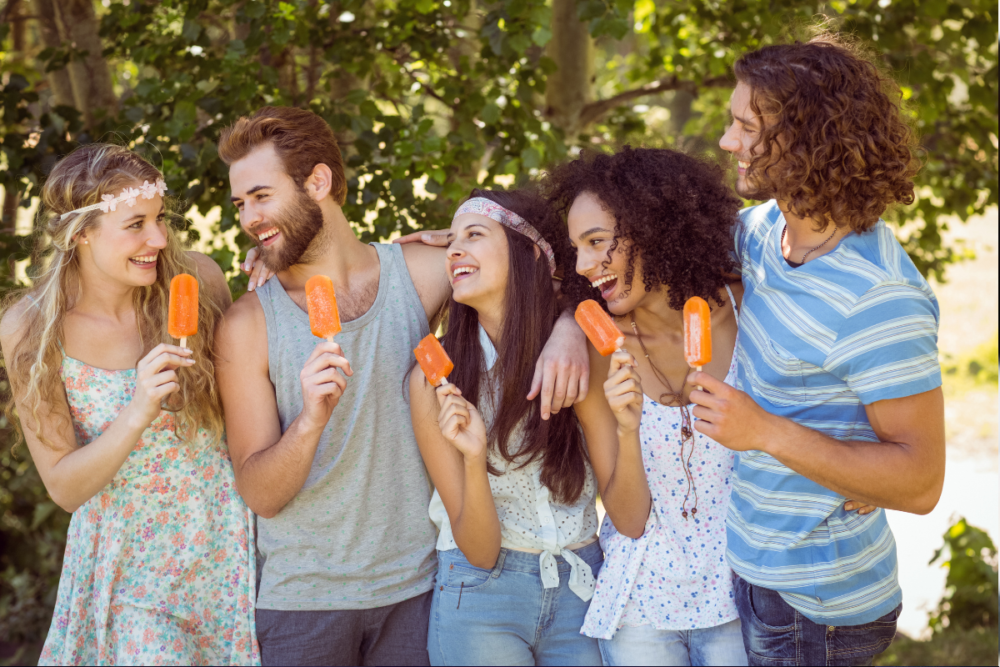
(838, 355)
(651, 229)
(128, 436)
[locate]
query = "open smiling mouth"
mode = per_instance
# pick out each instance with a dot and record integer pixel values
(462, 272)
(144, 261)
(606, 284)
(269, 236)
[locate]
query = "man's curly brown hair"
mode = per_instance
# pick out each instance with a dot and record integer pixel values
(673, 211)
(840, 149)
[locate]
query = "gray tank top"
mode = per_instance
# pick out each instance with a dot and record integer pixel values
(357, 536)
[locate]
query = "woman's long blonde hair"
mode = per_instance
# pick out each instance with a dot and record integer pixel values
(33, 365)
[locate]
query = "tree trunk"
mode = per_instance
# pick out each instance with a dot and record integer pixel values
(90, 76)
(17, 37)
(8, 216)
(569, 88)
(59, 81)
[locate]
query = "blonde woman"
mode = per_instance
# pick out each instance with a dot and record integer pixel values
(126, 428)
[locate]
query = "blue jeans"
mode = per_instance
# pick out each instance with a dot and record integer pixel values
(645, 645)
(776, 634)
(504, 616)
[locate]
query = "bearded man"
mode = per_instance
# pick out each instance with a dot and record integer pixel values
(320, 431)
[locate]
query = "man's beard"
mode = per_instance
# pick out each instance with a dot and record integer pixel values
(299, 224)
(747, 191)
(754, 188)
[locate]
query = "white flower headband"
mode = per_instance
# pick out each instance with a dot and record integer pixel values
(128, 195)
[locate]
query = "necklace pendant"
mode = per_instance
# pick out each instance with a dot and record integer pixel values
(686, 431)
(684, 514)
(694, 511)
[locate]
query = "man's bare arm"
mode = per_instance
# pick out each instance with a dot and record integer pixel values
(270, 467)
(904, 471)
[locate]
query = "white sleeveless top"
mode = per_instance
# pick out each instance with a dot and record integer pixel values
(674, 577)
(529, 519)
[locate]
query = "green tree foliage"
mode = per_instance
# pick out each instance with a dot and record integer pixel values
(430, 98)
(970, 599)
(965, 624)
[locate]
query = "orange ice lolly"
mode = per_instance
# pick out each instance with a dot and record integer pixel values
(600, 328)
(697, 333)
(433, 360)
(324, 318)
(182, 320)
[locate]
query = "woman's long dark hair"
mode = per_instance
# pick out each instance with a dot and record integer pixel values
(530, 310)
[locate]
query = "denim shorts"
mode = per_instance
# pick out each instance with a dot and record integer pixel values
(774, 633)
(505, 616)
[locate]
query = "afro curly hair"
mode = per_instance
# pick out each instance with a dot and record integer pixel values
(672, 211)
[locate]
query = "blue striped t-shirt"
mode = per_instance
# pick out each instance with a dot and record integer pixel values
(818, 343)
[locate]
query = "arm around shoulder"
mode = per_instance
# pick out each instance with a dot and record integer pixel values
(428, 271)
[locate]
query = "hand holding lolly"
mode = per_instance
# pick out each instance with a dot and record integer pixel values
(433, 360)
(600, 329)
(182, 319)
(324, 318)
(697, 333)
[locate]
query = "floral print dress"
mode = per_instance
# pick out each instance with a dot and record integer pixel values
(159, 566)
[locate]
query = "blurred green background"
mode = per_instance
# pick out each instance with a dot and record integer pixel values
(431, 98)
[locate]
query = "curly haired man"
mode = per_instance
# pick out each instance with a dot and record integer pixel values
(839, 376)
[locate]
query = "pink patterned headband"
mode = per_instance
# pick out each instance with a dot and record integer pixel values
(129, 195)
(507, 218)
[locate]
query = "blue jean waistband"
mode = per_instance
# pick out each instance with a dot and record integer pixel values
(525, 561)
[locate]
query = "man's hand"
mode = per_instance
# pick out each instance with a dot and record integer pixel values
(323, 383)
(562, 372)
(437, 238)
(728, 415)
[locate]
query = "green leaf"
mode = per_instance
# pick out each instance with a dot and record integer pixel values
(356, 96)
(42, 512)
(490, 113)
(541, 36)
(184, 113)
(531, 158)
(191, 30)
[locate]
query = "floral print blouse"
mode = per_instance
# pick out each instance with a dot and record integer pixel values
(674, 577)
(159, 566)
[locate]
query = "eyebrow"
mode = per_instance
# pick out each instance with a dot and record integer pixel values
(743, 121)
(252, 190)
(140, 216)
(592, 231)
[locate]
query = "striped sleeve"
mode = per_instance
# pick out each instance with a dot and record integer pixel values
(737, 250)
(887, 346)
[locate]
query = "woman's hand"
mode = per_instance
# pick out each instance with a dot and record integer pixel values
(257, 270)
(461, 424)
(156, 378)
(623, 391)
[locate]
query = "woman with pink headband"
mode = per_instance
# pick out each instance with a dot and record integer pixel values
(514, 492)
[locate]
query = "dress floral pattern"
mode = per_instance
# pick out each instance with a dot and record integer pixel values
(159, 566)
(674, 577)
